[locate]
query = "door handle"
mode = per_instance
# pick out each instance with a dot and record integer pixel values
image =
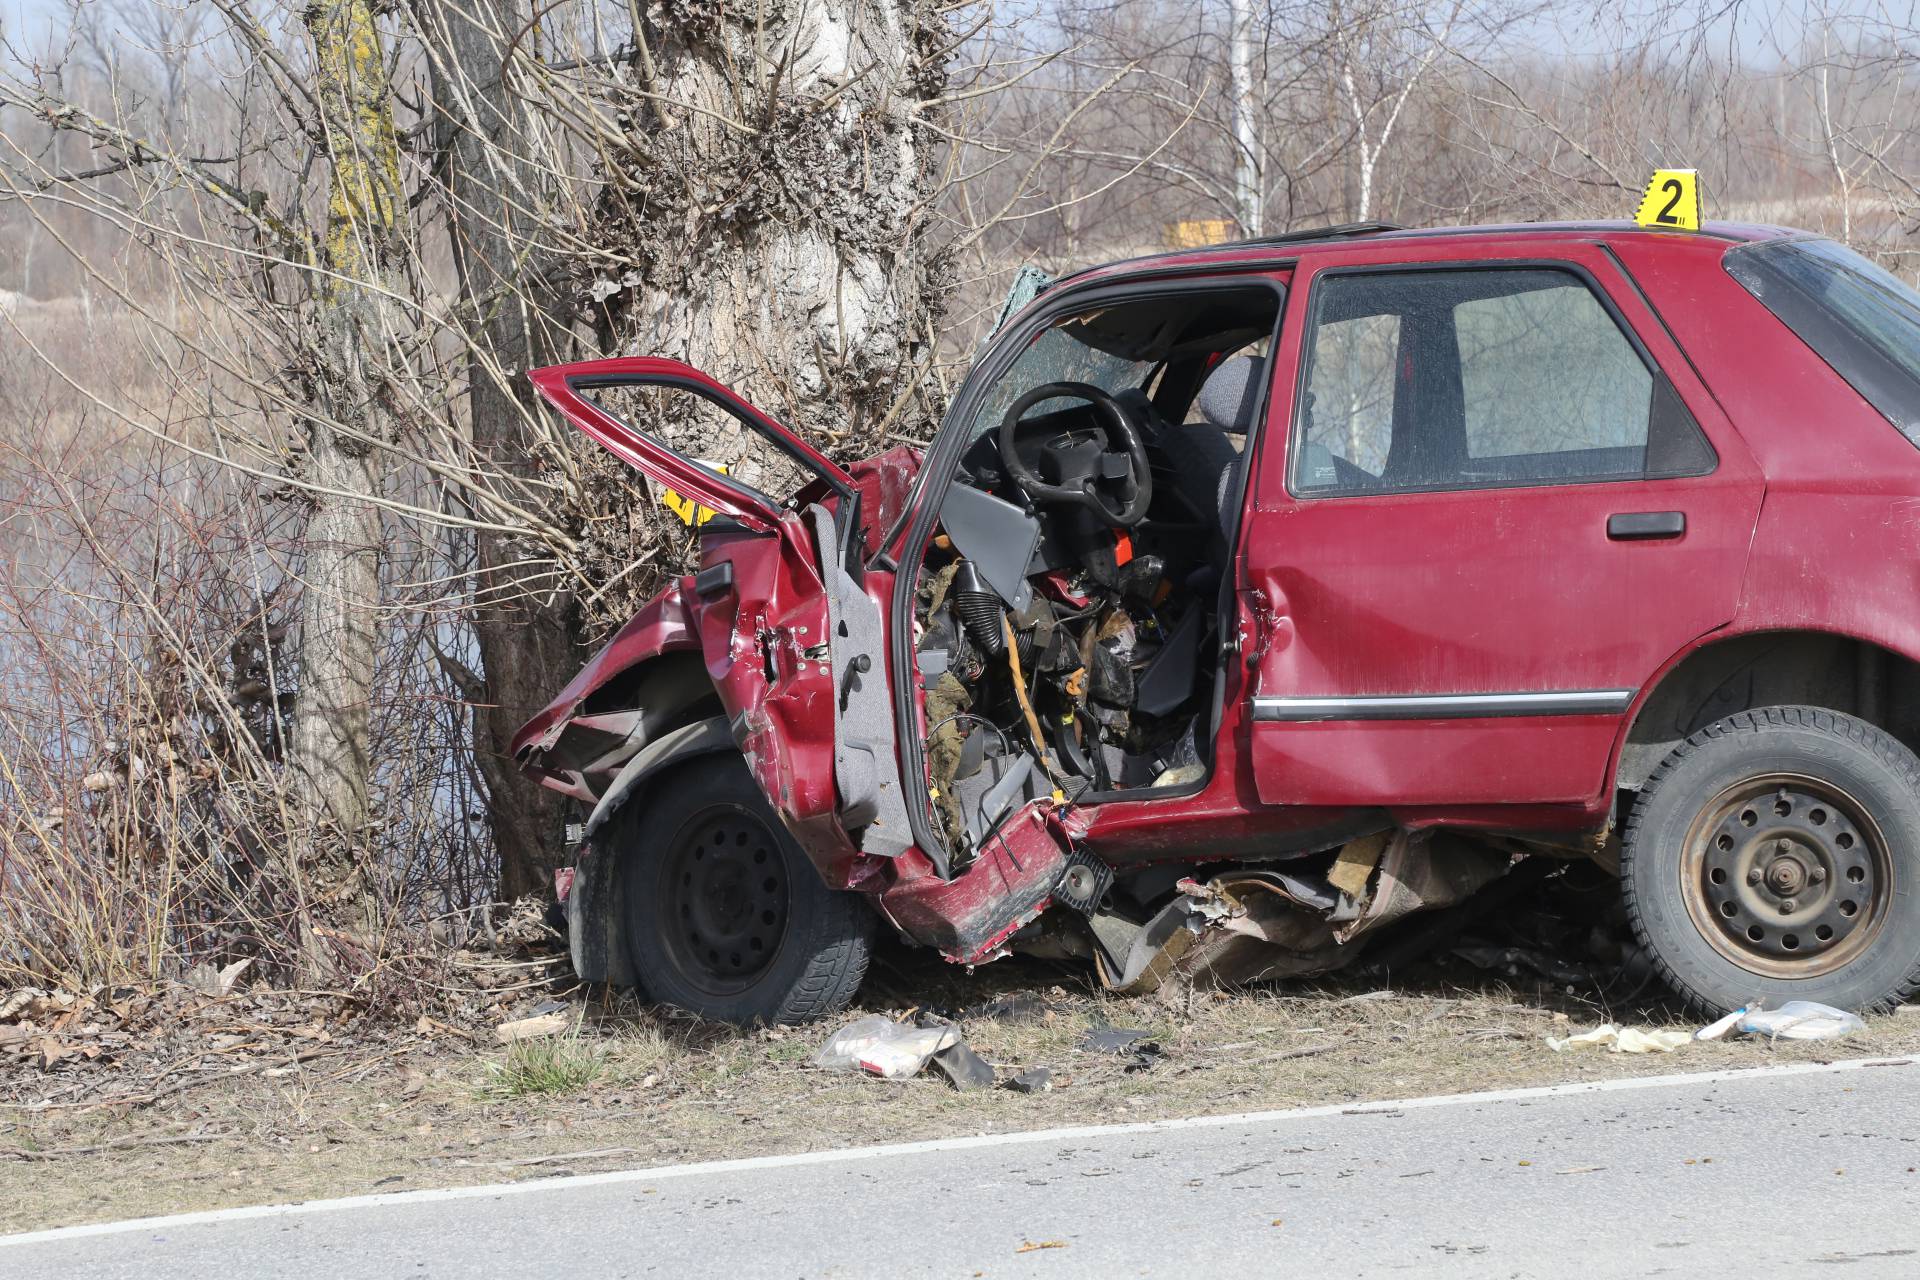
(1636, 526)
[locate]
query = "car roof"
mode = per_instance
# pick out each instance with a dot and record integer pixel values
(1298, 246)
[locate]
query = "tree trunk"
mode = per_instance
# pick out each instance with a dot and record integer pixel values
(1247, 196)
(523, 626)
(770, 199)
(355, 331)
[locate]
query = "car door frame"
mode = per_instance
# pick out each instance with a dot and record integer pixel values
(782, 635)
(561, 386)
(906, 543)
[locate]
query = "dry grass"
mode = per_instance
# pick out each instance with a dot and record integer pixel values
(632, 1089)
(556, 1065)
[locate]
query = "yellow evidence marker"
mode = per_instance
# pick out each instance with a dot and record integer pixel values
(1672, 200)
(690, 512)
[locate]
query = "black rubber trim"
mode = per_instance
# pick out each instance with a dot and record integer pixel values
(1182, 259)
(712, 582)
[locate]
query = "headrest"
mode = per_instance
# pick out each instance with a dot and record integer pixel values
(1228, 396)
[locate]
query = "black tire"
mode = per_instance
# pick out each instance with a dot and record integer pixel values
(1775, 854)
(722, 913)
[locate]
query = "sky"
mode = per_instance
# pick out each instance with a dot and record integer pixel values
(1557, 31)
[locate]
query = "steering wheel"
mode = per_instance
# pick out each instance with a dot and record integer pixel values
(1124, 470)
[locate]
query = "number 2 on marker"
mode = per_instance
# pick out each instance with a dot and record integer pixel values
(1672, 200)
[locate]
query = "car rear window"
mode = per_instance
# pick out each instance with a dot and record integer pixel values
(1860, 318)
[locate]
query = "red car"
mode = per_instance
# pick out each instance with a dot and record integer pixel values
(1251, 597)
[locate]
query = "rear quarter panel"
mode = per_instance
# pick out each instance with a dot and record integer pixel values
(1837, 546)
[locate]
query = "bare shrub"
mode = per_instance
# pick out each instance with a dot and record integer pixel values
(146, 603)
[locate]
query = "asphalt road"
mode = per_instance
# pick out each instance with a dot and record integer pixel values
(1743, 1174)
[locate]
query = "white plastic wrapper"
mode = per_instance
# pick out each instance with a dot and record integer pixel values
(1718, 1028)
(882, 1047)
(1801, 1020)
(1622, 1040)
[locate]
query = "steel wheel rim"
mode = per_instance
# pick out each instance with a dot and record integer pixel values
(1787, 876)
(723, 902)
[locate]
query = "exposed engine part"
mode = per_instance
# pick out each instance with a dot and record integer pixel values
(998, 538)
(1094, 678)
(1000, 796)
(1083, 883)
(1026, 703)
(1078, 640)
(980, 609)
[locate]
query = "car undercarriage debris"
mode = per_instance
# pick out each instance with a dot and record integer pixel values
(1249, 925)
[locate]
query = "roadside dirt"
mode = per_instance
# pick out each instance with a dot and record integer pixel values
(407, 1108)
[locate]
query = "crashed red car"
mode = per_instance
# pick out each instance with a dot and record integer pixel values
(1252, 597)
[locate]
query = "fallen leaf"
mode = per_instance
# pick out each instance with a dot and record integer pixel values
(231, 974)
(549, 1024)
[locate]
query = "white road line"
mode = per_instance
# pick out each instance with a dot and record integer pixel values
(849, 1154)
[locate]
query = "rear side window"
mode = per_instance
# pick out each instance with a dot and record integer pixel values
(1547, 371)
(1862, 320)
(1477, 378)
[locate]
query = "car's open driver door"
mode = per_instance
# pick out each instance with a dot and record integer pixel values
(793, 642)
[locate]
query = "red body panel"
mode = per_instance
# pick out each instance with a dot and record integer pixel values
(1838, 544)
(969, 916)
(780, 703)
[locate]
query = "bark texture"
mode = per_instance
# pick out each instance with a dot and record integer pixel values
(355, 332)
(768, 203)
(494, 198)
(1248, 198)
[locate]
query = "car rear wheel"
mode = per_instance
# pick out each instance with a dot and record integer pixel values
(1775, 854)
(722, 913)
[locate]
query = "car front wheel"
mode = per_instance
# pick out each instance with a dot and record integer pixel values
(1775, 855)
(722, 913)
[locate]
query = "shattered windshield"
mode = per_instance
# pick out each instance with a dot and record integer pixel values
(1063, 353)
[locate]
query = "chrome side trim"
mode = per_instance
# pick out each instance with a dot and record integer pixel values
(1446, 706)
